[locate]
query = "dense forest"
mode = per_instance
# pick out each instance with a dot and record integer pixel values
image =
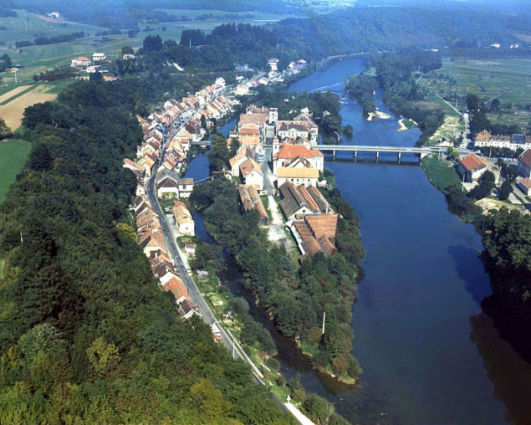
(86, 335)
(296, 297)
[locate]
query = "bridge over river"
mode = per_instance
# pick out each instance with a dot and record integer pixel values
(420, 151)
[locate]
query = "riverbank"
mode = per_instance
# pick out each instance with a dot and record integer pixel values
(406, 124)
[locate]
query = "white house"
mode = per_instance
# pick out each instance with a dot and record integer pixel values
(99, 57)
(242, 89)
(186, 187)
(81, 61)
(472, 167)
(183, 219)
(288, 153)
(251, 174)
(168, 187)
(93, 69)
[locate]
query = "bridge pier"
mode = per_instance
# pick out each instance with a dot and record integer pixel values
(334, 154)
(377, 155)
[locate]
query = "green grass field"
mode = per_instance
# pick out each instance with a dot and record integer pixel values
(13, 155)
(440, 173)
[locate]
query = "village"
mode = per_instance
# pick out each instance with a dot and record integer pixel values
(276, 160)
(517, 171)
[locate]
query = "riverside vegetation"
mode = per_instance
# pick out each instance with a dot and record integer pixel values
(295, 296)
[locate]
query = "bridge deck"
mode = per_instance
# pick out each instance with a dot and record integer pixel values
(368, 148)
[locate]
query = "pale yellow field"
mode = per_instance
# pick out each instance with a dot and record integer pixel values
(13, 112)
(12, 93)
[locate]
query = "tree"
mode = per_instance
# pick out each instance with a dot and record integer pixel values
(318, 409)
(204, 122)
(5, 131)
(96, 77)
(234, 145)
(219, 153)
(348, 131)
(210, 399)
(454, 154)
(240, 306)
(42, 337)
(103, 357)
(486, 184)
(472, 102)
(505, 190)
(40, 158)
(7, 61)
(152, 43)
(127, 50)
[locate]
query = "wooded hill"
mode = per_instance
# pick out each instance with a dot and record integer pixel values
(86, 336)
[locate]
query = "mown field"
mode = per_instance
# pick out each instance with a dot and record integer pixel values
(508, 80)
(13, 155)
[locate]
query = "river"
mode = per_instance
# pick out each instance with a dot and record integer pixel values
(430, 355)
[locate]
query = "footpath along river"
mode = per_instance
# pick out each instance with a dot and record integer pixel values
(430, 355)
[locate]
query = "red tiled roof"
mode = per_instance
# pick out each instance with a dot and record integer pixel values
(289, 151)
(526, 157)
(176, 287)
(484, 136)
(526, 183)
(472, 162)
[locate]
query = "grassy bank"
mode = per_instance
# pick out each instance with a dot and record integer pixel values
(439, 172)
(13, 155)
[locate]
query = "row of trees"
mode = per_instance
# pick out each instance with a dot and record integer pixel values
(295, 297)
(86, 335)
(42, 40)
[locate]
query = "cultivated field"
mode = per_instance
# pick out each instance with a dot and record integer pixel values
(6, 96)
(13, 111)
(12, 158)
(508, 80)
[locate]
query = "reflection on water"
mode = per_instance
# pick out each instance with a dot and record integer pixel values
(509, 372)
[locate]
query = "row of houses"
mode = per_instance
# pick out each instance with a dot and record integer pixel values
(513, 142)
(187, 115)
(151, 240)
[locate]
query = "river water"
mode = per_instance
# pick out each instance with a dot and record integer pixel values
(428, 352)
